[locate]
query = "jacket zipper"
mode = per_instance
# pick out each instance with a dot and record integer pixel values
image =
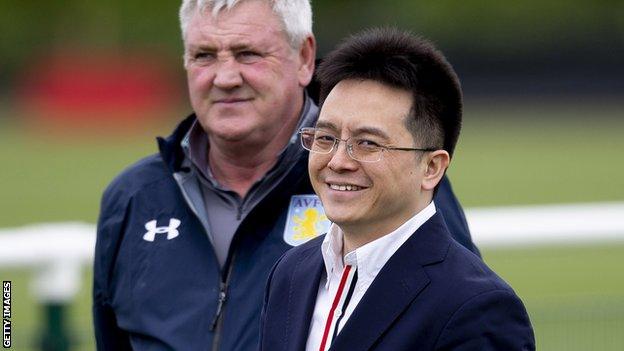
(239, 212)
(221, 301)
(217, 320)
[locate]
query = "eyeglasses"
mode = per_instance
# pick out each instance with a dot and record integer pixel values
(359, 149)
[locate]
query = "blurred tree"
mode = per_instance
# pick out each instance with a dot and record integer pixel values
(510, 30)
(32, 30)
(504, 27)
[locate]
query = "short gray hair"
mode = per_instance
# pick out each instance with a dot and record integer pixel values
(296, 15)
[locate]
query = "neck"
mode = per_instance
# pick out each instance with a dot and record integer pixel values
(354, 237)
(357, 235)
(239, 164)
(240, 172)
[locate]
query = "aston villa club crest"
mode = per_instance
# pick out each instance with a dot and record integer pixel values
(306, 219)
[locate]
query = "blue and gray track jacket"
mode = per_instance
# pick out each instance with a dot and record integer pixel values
(157, 282)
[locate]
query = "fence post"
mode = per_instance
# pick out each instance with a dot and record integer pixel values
(55, 286)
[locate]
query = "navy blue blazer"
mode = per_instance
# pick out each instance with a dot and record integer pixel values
(433, 294)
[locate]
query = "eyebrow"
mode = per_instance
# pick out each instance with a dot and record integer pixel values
(326, 125)
(210, 47)
(242, 47)
(371, 130)
(200, 47)
(356, 131)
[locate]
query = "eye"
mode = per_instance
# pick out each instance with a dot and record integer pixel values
(202, 57)
(367, 145)
(248, 56)
(324, 138)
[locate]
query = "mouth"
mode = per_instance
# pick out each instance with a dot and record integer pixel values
(345, 187)
(232, 100)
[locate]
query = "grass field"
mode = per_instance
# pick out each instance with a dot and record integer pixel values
(574, 294)
(508, 154)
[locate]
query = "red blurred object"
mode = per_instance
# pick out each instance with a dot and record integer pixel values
(79, 89)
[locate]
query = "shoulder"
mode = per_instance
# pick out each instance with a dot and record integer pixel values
(148, 175)
(305, 250)
(483, 308)
(135, 177)
(491, 320)
(463, 272)
(455, 274)
(298, 260)
(151, 169)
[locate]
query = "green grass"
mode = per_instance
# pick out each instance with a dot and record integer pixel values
(574, 294)
(534, 155)
(60, 177)
(507, 155)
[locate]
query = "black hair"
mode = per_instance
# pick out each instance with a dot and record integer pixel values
(401, 60)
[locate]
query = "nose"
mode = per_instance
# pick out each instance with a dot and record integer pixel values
(227, 74)
(340, 160)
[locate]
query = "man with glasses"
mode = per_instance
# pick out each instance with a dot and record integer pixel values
(387, 275)
(187, 237)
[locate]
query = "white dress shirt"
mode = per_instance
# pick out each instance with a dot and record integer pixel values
(366, 260)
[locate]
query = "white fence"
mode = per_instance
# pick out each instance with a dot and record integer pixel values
(547, 224)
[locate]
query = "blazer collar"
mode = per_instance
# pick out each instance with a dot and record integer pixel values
(398, 283)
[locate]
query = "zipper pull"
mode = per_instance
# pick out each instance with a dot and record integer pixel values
(239, 213)
(221, 301)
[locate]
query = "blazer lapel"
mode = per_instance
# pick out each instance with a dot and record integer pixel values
(398, 283)
(304, 285)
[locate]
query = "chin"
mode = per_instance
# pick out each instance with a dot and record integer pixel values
(230, 130)
(340, 216)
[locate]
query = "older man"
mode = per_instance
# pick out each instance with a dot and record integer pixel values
(387, 276)
(187, 237)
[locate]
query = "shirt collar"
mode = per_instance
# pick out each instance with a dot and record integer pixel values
(369, 258)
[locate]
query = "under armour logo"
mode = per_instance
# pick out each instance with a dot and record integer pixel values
(171, 230)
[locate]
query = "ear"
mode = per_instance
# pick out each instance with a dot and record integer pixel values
(435, 165)
(307, 55)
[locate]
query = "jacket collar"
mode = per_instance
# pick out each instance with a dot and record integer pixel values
(170, 149)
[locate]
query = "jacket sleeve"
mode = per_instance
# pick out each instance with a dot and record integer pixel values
(453, 215)
(108, 335)
(491, 321)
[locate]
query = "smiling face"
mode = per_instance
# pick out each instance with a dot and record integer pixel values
(245, 80)
(369, 199)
